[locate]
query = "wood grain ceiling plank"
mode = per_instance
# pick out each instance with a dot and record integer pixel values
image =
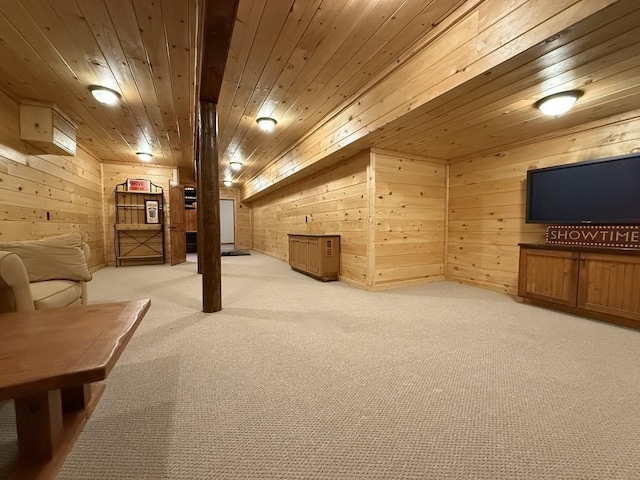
(597, 78)
(330, 35)
(345, 129)
(123, 17)
(299, 96)
(274, 17)
(285, 62)
(477, 54)
(106, 37)
(176, 20)
(346, 116)
(520, 87)
(244, 31)
(52, 79)
(334, 37)
(151, 24)
(69, 33)
(15, 83)
(619, 93)
(392, 38)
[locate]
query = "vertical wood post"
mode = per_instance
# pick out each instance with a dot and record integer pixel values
(199, 224)
(209, 195)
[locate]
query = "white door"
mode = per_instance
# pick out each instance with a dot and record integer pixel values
(227, 236)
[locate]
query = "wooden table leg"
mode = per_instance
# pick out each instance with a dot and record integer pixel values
(39, 424)
(76, 398)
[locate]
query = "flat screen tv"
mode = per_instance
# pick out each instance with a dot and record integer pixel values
(598, 192)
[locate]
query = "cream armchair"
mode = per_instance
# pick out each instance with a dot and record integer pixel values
(47, 273)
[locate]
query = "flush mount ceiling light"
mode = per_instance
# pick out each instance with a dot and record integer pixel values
(267, 124)
(227, 183)
(104, 95)
(144, 156)
(558, 103)
(235, 165)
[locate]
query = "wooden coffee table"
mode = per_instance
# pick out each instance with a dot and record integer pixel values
(48, 361)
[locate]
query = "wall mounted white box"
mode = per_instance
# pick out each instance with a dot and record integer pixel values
(47, 127)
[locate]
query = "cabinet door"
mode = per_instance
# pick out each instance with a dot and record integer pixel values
(610, 284)
(548, 275)
(293, 259)
(313, 254)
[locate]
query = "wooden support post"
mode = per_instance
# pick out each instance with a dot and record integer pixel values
(199, 224)
(209, 195)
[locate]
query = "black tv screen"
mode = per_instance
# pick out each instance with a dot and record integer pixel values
(605, 191)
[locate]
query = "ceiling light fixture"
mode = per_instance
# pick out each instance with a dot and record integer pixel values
(558, 103)
(227, 183)
(104, 95)
(235, 165)
(266, 123)
(145, 156)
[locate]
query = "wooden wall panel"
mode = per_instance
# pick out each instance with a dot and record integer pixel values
(335, 201)
(408, 218)
(242, 217)
(487, 198)
(114, 173)
(47, 195)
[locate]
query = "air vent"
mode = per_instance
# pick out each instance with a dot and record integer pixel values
(329, 247)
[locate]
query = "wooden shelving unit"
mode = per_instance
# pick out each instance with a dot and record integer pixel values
(139, 235)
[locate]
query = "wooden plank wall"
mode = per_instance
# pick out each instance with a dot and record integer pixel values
(114, 173)
(409, 218)
(32, 186)
(487, 198)
(335, 201)
(241, 215)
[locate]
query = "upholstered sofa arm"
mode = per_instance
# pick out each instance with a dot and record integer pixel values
(15, 294)
(87, 251)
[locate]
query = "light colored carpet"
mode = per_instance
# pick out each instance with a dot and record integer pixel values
(298, 379)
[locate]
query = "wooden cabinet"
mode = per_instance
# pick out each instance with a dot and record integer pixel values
(595, 282)
(315, 255)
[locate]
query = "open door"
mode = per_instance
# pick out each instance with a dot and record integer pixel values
(227, 222)
(176, 224)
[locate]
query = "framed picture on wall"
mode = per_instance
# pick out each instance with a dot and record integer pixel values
(151, 211)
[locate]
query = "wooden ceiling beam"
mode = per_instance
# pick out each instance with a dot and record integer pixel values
(219, 18)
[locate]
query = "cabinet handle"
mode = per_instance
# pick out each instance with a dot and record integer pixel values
(583, 259)
(574, 258)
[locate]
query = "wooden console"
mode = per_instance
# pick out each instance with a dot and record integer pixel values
(315, 255)
(601, 283)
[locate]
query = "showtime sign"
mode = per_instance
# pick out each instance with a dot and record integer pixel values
(618, 236)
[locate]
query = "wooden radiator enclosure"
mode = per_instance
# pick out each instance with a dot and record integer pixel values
(601, 283)
(315, 255)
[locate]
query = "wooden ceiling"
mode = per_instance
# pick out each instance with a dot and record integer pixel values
(308, 68)
(147, 50)
(302, 62)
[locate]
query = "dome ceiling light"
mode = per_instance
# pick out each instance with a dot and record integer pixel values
(235, 165)
(266, 123)
(144, 156)
(558, 103)
(104, 95)
(227, 183)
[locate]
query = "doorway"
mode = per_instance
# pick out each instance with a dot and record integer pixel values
(227, 230)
